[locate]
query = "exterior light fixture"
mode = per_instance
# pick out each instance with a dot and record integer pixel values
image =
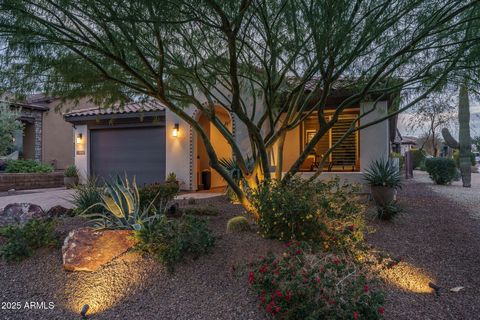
(175, 130)
(79, 138)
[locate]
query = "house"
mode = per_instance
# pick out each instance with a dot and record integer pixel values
(149, 141)
(403, 144)
(46, 136)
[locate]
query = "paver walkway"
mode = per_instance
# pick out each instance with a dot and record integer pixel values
(45, 198)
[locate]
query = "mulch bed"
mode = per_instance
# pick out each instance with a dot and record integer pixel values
(438, 239)
(135, 287)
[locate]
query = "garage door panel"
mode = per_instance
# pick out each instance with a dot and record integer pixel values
(138, 152)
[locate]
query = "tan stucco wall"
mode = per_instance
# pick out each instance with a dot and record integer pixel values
(57, 134)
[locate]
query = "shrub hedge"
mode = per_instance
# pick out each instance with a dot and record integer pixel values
(441, 170)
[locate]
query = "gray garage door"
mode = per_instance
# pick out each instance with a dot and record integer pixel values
(139, 152)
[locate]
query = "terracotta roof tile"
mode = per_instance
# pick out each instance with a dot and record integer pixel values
(134, 107)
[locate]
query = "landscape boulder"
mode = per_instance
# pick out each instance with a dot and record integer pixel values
(59, 211)
(88, 249)
(21, 213)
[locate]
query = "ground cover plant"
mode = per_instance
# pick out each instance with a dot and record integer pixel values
(200, 211)
(27, 166)
(170, 240)
(22, 241)
(307, 284)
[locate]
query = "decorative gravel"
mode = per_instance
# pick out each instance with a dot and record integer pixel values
(439, 242)
(135, 287)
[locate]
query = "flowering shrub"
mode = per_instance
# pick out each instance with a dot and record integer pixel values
(304, 285)
(302, 210)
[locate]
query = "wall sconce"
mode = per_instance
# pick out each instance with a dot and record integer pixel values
(79, 138)
(175, 130)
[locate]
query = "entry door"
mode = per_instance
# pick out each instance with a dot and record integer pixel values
(138, 152)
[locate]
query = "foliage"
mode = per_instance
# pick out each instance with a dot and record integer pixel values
(418, 156)
(9, 125)
(21, 241)
(71, 171)
(157, 195)
(171, 178)
(389, 211)
(476, 143)
(304, 284)
(27, 166)
(441, 170)
(201, 211)
(103, 50)
(238, 224)
(456, 158)
(121, 207)
(383, 173)
(86, 197)
(310, 210)
(169, 240)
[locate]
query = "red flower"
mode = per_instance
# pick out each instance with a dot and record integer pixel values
(350, 227)
(277, 309)
(278, 293)
(365, 288)
(355, 315)
(251, 277)
(318, 280)
(381, 310)
(263, 269)
(269, 308)
(298, 251)
(288, 296)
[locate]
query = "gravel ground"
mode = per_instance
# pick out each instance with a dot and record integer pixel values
(135, 287)
(467, 197)
(438, 241)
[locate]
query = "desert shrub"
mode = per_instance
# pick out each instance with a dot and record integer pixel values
(201, 211)
(238, 224)
(158, 194)
(22, 241)
(441, 170)
(27, 166)
(304, 284)
(389, 211)
(169, 240)
(303, 210)
(86, 197)
(456, 158)
(418, 156)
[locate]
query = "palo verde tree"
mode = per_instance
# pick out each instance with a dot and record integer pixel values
(270, 63)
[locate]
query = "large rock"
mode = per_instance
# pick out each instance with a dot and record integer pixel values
(87, 249)
(59, 211)
(21, 213)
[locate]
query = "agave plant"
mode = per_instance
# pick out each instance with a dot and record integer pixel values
(121, 201)
(231, 166)
(383, 173)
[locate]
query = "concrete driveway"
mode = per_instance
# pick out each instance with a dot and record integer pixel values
(45, 198)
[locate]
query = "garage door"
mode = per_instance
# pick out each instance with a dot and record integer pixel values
(139, 152)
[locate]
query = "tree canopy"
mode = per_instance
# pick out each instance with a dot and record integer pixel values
(271, 63)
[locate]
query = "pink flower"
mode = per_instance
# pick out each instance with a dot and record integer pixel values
(251, 277)
(355, 315)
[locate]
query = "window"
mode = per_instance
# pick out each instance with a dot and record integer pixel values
(346, 155)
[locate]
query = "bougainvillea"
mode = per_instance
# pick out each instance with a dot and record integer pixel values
(303, 284)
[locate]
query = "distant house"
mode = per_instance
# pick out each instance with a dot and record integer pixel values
(46, 137)
(148, 141)
(404, 143)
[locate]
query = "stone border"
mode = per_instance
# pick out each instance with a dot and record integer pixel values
(25, 181)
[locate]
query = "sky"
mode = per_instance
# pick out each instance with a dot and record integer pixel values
(404, 119)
